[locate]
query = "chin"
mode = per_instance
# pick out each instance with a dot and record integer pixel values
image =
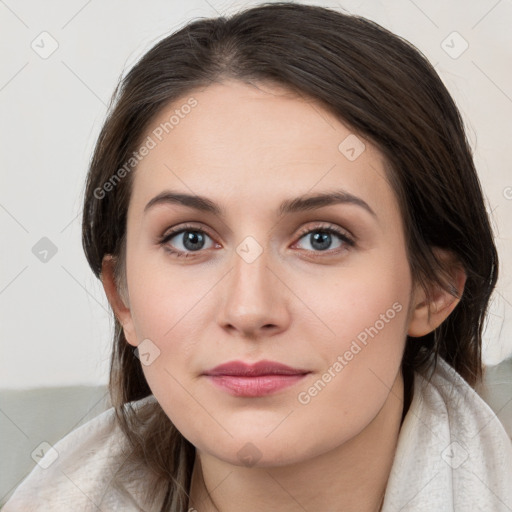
(260, 450)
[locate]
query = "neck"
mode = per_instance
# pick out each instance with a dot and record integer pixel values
(352, 477)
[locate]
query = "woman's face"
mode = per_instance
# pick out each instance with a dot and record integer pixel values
(260, 278)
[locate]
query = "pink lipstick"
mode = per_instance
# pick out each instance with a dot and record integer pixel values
(253, 380)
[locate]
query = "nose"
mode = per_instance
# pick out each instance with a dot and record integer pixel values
(255, 299)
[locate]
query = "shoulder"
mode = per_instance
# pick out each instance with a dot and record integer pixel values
(453, 453)
(495, 388)
(78, 471)
(450, 405)
(447, 394)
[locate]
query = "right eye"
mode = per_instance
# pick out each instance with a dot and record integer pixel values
(191, 239)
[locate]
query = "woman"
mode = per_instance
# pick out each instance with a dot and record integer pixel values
(287, 221)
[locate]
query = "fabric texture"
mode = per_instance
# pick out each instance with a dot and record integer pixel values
(453, 454)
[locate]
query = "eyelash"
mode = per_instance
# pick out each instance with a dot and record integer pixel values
(331, 229)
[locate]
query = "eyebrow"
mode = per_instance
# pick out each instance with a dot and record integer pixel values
(298, 204)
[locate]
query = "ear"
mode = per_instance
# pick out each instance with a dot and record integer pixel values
(121, 310)
(443, 302)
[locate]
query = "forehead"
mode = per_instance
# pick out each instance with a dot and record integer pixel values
(258, 144)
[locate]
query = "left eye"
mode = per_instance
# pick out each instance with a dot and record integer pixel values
(320, 239)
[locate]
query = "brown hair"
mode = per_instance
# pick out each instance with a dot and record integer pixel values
(375, 82)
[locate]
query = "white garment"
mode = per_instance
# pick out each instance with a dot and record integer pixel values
(453, 454)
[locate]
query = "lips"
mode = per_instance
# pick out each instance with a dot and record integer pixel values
(241, 369)
(254, 380)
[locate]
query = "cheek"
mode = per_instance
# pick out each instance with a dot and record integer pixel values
(362, 303)
(168, 309)
(364, 318)
(163, 298)
(361, 360)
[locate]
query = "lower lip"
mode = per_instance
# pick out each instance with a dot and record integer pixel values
(254, 386)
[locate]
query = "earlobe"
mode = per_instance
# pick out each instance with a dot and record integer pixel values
(121, 310)
(425, 317)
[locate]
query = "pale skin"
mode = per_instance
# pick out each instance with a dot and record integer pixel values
(248, 148)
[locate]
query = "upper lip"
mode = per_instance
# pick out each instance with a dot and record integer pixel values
(264, 367)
